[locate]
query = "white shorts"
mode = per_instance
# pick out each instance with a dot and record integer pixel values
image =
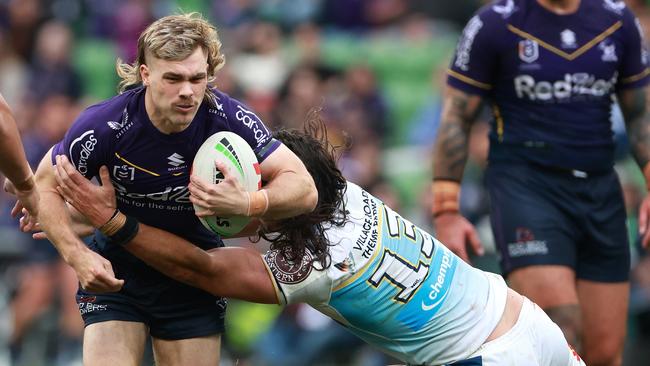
(533, 341)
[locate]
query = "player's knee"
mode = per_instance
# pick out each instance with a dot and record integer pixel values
(568, 318)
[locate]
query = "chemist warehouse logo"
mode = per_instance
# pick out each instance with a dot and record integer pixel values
(446, 263)
(81, 149)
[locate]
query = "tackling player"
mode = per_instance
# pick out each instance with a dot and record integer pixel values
(549, 70)
(357, 261)
(147, 137)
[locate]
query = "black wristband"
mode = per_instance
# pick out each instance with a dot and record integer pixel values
(126, 232)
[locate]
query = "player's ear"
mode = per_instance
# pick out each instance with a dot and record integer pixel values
(144, 74)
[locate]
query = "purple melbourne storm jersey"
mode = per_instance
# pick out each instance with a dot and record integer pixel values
(149, 169)
(551, 78)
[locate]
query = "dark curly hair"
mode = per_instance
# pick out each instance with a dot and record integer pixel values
(293, 235)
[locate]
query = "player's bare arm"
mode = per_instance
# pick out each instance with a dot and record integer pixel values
(634, 105)
(229, 272)
(20, 180)
(459, 112)
(95, 273)
(290, 187)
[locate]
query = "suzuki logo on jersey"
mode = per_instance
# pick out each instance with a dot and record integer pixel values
(175, 159)
(568, 38)
(123, 172)
(81, 149)
(609, 51)
(579, 84)
(528, 50)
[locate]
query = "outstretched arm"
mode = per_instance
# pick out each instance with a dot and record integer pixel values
(634, 105)
(229, 272)
(95, 273)
(14, 164)
(459, 112)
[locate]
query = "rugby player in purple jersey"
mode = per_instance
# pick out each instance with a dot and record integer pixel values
(550, 69)
(148, 136)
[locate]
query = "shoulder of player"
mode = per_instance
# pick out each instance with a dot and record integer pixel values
(221, 102)
(614, 8)
(494, 15)
(499, 11)
(610, 11)
(107, 117)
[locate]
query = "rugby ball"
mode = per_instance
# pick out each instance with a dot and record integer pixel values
(235, 153)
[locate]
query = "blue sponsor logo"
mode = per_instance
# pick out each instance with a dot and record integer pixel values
(435, 290)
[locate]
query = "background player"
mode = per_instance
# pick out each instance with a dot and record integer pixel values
(549, 69)
(147, 136)
(357, 261)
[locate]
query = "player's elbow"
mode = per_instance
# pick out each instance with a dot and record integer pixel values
(311, 196)
(210, 276)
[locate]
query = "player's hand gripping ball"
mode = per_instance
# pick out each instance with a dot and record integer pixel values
(235, 153)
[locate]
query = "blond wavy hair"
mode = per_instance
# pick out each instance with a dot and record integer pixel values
(174, 38)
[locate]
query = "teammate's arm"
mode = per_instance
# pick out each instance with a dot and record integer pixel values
(635, 107)
(95, 273)
(459, 111)
(13, 163)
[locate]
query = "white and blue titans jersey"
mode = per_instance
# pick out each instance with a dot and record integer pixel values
(395, 286)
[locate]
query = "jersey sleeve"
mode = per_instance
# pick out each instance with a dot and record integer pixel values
(473, 67)
(85, 144)
(249, 126)
(633, 71)
(297, 282)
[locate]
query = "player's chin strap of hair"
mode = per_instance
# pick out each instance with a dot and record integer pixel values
(446, 197)
(120, 228)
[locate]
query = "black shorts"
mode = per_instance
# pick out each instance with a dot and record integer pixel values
(559, 217)
(170, 309)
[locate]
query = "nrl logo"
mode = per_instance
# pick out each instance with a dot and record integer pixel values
(528, 51)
